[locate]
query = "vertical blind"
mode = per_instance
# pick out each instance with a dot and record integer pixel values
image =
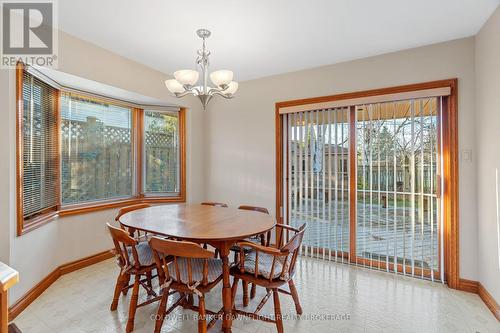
(398, 223)
(397, 193)
(39, 158)
(161, 152)
(318, 186)
(97, 153)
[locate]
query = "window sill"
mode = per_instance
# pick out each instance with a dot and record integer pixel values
(104, 205)
(35, 223)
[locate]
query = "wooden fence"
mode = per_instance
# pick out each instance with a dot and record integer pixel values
(97, 161)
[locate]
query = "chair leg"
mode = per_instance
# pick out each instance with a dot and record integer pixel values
(236, 257)
(148, 277)
(160, 314)
(119, 285)
(126, 282)
(161, 278)
(202, 316)
(133, 305)
(234, 288)
(253, 291)
(190, 299)
(295, 297)
(245, 292)
(277, 311)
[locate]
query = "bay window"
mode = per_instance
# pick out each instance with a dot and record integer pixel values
(77, 153)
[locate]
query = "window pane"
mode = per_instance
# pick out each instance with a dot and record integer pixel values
(96, 157)
(39, 131)
(161, 152)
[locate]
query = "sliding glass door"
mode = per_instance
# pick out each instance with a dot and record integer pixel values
(390, 155)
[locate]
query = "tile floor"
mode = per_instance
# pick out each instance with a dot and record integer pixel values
(335, 298)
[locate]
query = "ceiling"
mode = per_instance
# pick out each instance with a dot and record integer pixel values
(257, 38)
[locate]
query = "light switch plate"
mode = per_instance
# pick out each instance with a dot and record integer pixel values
(467, 155)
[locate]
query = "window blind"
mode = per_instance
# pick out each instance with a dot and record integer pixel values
(97, 152)
(161, 152)
(39, 156)
(393, 151)
(318, 185)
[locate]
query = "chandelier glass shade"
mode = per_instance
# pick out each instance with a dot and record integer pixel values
(185, 82)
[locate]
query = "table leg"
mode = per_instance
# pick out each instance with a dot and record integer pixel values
(226, 289)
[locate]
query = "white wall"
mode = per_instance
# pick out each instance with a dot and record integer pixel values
(488, 137)
(240, 133)
(39, 252)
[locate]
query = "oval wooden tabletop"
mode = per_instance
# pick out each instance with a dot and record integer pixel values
(199, 222)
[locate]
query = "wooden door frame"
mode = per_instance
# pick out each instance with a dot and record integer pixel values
(450, 162)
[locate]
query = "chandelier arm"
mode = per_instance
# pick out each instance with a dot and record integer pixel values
(185, 93)
(188, 87)
(219, 93)
(212, 91)
(209, 98)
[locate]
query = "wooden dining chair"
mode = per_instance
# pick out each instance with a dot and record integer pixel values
(134, 259)
(271, 268)
(192, 271)
(132, 232)
(215, 204)
(263, 239)
(137, 234)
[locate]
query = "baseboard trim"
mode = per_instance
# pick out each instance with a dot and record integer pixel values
(468, 286)
(84, 262)
(41, 286)
(489, 301)
(476, 287)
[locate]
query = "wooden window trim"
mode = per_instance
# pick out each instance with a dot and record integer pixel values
(26, 225)
(449, 153)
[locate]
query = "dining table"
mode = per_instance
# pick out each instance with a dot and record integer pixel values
(219, 227)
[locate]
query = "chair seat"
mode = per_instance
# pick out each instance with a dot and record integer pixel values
(144, 252)
(265, 265)
(246, 250)
(214, 269)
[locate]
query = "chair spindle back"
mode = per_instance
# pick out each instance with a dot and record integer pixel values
(165, 249)
(286, 254)
(122, 241)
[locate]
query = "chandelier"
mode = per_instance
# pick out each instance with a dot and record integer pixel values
(185, 80)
